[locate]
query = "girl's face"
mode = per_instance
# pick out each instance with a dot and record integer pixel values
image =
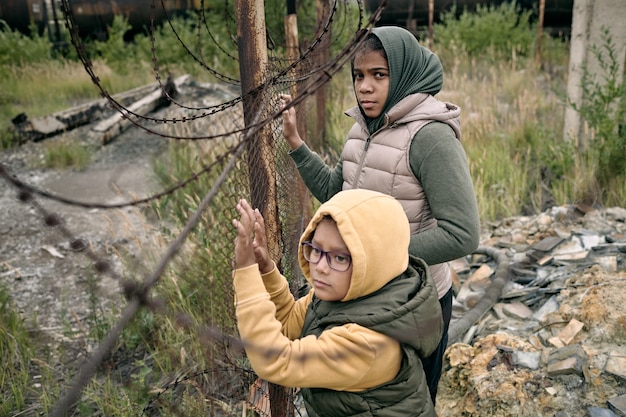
(329, 285)
(371, 82)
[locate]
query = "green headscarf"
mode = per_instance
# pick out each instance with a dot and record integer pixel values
(412, 69)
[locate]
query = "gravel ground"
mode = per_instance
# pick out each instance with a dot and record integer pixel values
(48, 280)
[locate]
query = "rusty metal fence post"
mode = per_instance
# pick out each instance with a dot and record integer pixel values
(253, 62)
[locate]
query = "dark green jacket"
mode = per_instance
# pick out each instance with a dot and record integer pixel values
(405, 309)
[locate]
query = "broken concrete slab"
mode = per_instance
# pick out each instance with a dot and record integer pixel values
(60, 122)
(111, 127)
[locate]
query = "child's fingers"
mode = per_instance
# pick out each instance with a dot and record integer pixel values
(259, 235)
(258, 217)
(243, 236)
(259, 227)
(247, 217)
(285, 99)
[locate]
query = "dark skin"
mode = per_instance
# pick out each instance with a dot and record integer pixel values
(251, 241)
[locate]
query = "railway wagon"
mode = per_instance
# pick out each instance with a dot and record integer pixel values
(19, 14)
(92, 17)
(557, 13)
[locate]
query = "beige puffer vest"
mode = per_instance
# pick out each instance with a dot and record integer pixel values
(382, 164)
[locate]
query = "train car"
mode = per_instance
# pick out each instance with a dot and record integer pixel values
(92, 17)
(557, 13)
(21, 14)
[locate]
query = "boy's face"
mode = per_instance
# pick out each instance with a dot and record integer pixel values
(371, 82)
(329, 285)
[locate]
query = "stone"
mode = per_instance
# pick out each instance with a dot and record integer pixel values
(546, 260)
(549, 307)
(568, 360)
(479, 280)
(565, 352)
(600, 412)
(569, 246)
(572, 256)
(616, 365)
(570, 331)
(547, 244)
(517, 310)
(618, 405)
(616, 214)
(498, 310)
(561, 271)
(608, 263)
(589, 240)
(556, 342)
(530, 360)
(569, 366)
(535, 341)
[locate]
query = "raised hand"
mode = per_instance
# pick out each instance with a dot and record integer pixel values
(259, 244)
(290, 128)
(251, 241)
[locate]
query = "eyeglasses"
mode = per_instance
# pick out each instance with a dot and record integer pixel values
(339, 261)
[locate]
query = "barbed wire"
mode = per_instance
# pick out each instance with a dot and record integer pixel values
(138, 298)
(217, 74)
(326, 73)
(137, 293)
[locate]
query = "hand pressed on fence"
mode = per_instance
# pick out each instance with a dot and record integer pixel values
(353, 344)
(404, 143)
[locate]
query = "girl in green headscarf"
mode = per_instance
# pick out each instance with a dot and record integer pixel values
(405, 143)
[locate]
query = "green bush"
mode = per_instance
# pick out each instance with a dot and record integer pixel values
(603, 109)
(493, 32)
(115, 51)
(19, 49)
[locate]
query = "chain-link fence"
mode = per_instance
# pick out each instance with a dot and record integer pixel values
(224, 151)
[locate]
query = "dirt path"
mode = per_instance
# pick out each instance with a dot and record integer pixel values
(50, 282)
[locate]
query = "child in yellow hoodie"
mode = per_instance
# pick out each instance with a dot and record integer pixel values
(353, 344)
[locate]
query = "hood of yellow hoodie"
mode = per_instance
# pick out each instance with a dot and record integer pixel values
(376, 231)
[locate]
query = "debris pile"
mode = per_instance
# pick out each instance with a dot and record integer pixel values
(554, 344)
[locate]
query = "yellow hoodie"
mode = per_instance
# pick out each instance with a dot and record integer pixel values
(344, 358)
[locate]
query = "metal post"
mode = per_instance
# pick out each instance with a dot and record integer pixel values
(293, 53)
(542, 8)
(321, 58)
(253, 60)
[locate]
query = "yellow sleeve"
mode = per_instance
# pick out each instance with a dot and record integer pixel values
(288, 312)
(348, 357)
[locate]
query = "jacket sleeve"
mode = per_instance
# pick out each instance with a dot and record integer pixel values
(319, 178)
(439, 162)
(347, 357)
(289, 313)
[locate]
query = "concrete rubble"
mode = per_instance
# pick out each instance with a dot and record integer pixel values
(554, 344)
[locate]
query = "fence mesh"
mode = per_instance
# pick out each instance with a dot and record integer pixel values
(218, 153)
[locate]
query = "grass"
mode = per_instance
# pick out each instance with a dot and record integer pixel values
(46, 87)
(16, 348)
(66, 154)
(506, 112)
